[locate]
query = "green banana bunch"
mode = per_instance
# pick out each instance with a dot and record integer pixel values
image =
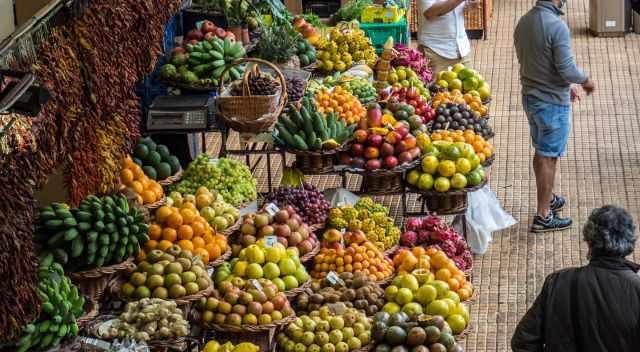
(62, 304)
(102, 231)
(292, 177)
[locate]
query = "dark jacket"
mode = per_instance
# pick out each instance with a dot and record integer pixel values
(595, 308)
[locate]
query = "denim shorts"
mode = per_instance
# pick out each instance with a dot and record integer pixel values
(549, 125)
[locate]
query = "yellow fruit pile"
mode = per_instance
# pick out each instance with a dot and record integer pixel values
(482, 147)
(343, 48)
(439, 266)
(455, 96)
(364, 257)
(341, 101)
(132, 177)
(185, 227)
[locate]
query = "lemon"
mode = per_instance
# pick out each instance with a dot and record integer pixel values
(442, 184)
(430, 164)
(458, 181)
(413, 176)
(446, 168)
(463, 166)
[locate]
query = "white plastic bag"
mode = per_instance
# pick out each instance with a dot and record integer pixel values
(340, 196)
(484, 216)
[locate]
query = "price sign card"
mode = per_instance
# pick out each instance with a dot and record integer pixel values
(272, 209)
(270, 241)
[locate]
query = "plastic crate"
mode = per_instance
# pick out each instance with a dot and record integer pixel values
(380, 32)
(380, 14)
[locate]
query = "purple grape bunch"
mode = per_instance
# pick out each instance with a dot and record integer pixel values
(306, 200)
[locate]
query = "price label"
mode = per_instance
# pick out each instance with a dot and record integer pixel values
(337, 308)
(272, 209)
(256, 284)
(210, 271)
(213, 161)
(334, 279)
(270, 241)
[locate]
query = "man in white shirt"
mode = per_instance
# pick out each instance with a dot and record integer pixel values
(441, 34)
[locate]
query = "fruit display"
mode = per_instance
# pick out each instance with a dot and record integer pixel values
(308, 129)
(174, 273)
(448, 166)
(355, 290)
(378, 147)
(416, 118)
(306, 53)
(374, 222)
(148, 319)
(215, 346)
(155, 159)
(456, 117)
(101, 231)
(418, 293)
(132, 177)
(432, 231)
(434, 261)
(307, 30)
(356, 255)
(404, 77)
(324, 330)
(456, 97)
(360, 87)
(464, 79)
(285, 225)
(413, 59)
(231, 178)
(481, 146)
(203, 59)
(244, 302)
(306, 200)
(417, 333)
(210, 205)
(295, 88)
(411, 96)
(62, 305)
(274, 263)
(343, 48)
(341, 101)
(279, 44)
(185, 227)
(260, 83)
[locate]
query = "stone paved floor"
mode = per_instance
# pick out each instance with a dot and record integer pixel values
(602, 167)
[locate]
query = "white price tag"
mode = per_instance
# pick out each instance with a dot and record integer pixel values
(272, 209)
(270, 241)
(210, 271)
(213, 161)
(256, 284)
(334, 279)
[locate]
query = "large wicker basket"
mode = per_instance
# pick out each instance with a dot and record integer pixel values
(250, 113)
(92, 283)
(448, 203)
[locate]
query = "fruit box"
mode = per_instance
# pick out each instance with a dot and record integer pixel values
(380, 14)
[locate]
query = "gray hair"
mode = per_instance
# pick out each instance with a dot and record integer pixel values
(610, 231)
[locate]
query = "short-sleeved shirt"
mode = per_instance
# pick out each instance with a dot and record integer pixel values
(444, 34)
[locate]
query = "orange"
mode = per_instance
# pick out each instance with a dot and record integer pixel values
(126, 176)
(148, 196)
(464, 294)
(156, 189)
(202, 253)
(198, 229)
(169, 234)
(188, 215)
(162, 213)
(185, 232)
(164, 245)
(213, 250)
(137, 187)
(186, 245)
(150, 245)
(207, 237)
(138, 174)
(198, 242)
(188, 205)
(454, 285)
(154, 231)
(174, 220)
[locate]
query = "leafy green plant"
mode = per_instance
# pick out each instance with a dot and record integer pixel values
(351, 10)
(313, 19)
(278, 42)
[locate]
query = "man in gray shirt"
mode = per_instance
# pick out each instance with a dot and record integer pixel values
(547, 70)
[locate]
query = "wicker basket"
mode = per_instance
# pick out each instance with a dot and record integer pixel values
(257, 113)
(182, 302)
(489, 161)
(391, 251)
(298, 290)
(92, 283)
(448, 203)
(314, 162)
(158, 204)
(247, 328)
(264, 339)
(385, 282)
(221, 259)
(174, 344)
(382, 181)
(233, 228)
(310, 255)
(171, 179)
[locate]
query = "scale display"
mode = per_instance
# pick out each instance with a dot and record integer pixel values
(175, 113)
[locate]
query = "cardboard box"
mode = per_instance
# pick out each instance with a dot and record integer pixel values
(7, 22)
(25, 9)
(606, 18)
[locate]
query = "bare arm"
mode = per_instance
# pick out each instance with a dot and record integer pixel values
(441, 8)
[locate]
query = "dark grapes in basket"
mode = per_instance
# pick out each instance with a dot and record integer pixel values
(306, 200)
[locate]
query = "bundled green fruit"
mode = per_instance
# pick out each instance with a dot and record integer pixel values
(102, 231)
(204, 62)
(62, 305)
(307, 129)
(155, 159)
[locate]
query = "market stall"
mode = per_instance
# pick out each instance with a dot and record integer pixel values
(150, 250)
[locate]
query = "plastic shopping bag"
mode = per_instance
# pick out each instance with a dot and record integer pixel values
(340, 196)
(484, 216)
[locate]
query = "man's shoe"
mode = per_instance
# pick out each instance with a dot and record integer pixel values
(557, 203)
(551, 223)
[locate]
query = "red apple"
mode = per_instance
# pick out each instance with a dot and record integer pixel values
(375, 140)
(386, 149)
(412, 102)
(412, 93)
(390, 162)
(415, 152)
(404, 157)
(298, 23)
(373, 164)
(357, 149)
(193, 42)
(360, 136)
(371, 153)
(221, 33)
(401, 147)
(208, 26)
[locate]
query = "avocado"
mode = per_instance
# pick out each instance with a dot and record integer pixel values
(175, 164)
(154, 159)
(304, 60)
(163, 151)
(150, 172)
(141, 151)
(395, 336)
(164, 170)
(149, 143)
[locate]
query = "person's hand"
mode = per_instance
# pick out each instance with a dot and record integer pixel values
(575, 94)
(588, 86)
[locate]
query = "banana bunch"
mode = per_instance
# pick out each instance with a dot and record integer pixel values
(100, 232)
(62, 305)
(291, 177)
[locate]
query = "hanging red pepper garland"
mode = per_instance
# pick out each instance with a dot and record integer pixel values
(90, 66)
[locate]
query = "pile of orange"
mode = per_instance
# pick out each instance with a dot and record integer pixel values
(132, 177)
(185, 227)
(365, 257)
(455, 96)
(436, 261)
(341, 101)
(481, 146)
